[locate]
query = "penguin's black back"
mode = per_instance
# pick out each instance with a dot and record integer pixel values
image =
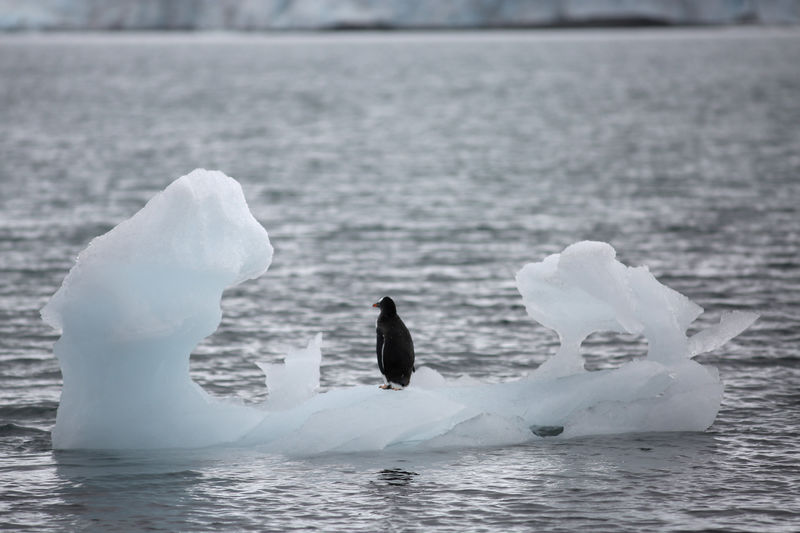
(395, 348)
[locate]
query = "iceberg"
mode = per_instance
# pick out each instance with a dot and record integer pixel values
(142, 296)
(134, 306)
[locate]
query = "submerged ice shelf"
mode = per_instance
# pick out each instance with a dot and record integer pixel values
(142, 296)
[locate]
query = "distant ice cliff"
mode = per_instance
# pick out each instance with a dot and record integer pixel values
(377, 14)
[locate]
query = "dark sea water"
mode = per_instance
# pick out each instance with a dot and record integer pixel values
(430, 167)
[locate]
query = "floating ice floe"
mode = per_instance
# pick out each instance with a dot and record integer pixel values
(142, 296)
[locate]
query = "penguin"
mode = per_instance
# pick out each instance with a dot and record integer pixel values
(395, 348)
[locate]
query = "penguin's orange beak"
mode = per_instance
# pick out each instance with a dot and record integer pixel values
(375, 305)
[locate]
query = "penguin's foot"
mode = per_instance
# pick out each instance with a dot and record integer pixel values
(385, 386)
(390, 386)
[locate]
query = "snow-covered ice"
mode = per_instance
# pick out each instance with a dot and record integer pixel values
(142, 296)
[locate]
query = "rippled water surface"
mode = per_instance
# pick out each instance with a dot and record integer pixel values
(431, 168)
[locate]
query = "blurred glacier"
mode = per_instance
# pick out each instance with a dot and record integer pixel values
(142, 296)
(381, 14)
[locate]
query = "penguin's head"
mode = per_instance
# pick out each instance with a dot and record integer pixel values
(386, 305)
